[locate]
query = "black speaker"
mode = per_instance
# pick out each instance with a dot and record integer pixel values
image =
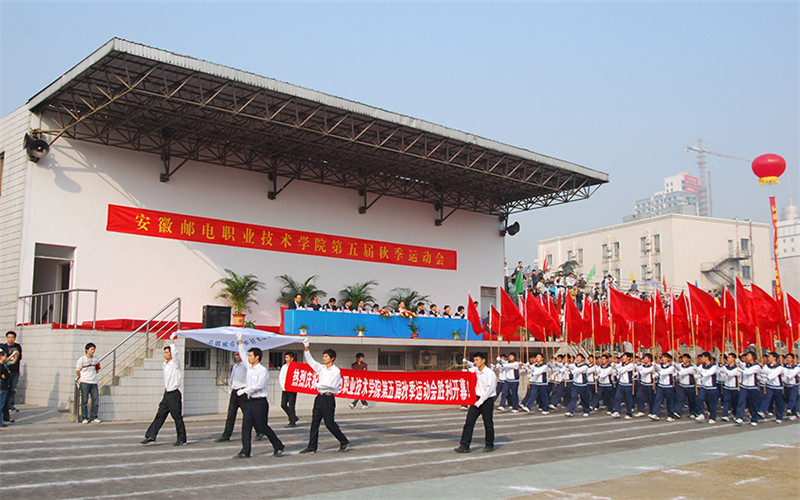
(214, 316)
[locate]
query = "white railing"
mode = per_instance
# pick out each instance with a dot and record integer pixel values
(61, 306)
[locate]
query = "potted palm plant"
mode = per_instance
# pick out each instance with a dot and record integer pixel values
(291, 287)
(360, 330)
(239, 292)
(415, 329)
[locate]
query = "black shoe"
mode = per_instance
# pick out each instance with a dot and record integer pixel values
(278, 452)
(10, 420)
(221, 439)
(14, 409)
(488, 448)
(259, 437)
(461, 449)
(3, 425)
(307, 450)
(291, 424)
(147, 440)
(241, 454)
(343, 447)
(179, 443)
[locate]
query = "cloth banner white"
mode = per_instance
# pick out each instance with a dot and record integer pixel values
(224, 337)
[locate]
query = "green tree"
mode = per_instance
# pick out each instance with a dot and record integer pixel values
(291, 287)
(239, 290)
(358, 291)
(569, 267)
(408, 296)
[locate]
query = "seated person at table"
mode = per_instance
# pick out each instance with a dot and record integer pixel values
(401, 306)
(297, 302)
(434, 312)
(376, 309)
(347, 306)
(331, 305)
(314, 305)
(362, 307)
(421, 310)
(460, 314)
(446, 312)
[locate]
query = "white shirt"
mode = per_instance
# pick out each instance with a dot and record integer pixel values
(707, 373)
(730, 376)
(282, 376)
(749, 374)
(238, 378)
(666, 374)
(172, 371)
(486, 387)
(686, 375)
(88, 369)
(330, 379)
(538, 374)
(257, 377)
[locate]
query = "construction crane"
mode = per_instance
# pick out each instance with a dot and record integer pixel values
(704, 188)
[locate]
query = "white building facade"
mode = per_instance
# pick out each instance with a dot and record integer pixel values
(676, 248)
(680, 196)
(789, 249)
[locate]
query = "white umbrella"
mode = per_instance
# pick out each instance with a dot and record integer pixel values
(224, 337)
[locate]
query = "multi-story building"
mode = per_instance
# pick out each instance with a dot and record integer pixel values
(674, 248)
(789, 249)
(679, 196)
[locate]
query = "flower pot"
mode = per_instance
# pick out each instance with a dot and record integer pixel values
(360, 334)
(303, 331)
(415, 335)
(238, 320)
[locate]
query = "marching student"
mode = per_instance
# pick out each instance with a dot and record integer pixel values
(509, 370)
(605, 385)
(790, 384)
(537, 389)
(579, 389)
(288, 398)
(171, 401)
(485, 390)
(624, 393)
(256, 411)
(591, 381)
(665, 390)
(708, 392)
(774, 374)
(730, 374)
(559, 381)
(644, 386)
(328, 384)
(237, 380)
(501, 383)
(687, 387)
(748, 393)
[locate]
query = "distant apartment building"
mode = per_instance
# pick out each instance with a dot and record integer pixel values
(680, 196)
(789, 249)
(674, 247)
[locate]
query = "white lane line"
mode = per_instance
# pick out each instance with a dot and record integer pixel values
(319, 476)
(746, 481)
(173, 473)
(763, 459)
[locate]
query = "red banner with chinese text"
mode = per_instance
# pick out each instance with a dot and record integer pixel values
(182, 227)
(443, 388)
(774, 210)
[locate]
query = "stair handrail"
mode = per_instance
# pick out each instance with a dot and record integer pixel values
(160, 326)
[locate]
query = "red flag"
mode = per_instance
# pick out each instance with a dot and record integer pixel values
(602, 327)
(746, 313)
(512, 318)
(680, 321)
(494, 320)
(554, 310)
(767, 309)
(704, 305)
(474, 317)
(660, 320)
(627, 308)
(794, 314)
(539, 321)
(573, 323)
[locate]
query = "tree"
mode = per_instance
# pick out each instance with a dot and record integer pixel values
(569, 267)
(291, 287)
(358, 291)
(408, 296)
(239, 290)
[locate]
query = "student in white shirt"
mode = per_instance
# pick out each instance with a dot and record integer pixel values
(256, 411)
(171, 402)
(236, 381)
(485, 391)
(327, 386)
(288, 399)
(86, 370)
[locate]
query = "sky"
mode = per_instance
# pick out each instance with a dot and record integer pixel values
(617, 87)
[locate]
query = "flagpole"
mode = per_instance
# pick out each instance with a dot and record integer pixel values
(672, 323)
(466, 330)
(736, 320)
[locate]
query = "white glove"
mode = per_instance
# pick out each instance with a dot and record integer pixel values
(173, 336)
(476, 405)
(238, 336)
(240, 392)
(306, 343)
(498, 359)
(465, 361)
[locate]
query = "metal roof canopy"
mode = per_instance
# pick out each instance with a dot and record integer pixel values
(136, 97)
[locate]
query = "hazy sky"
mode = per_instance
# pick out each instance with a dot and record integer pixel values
(617, 87)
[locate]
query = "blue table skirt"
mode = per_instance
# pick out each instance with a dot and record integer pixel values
(343, 324)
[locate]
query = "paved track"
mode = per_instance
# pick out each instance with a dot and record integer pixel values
(389, 450)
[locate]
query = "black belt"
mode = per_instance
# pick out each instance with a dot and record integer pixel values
(326, 393)
(248, 397)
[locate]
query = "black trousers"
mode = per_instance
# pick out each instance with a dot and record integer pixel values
(235, 403)
(324, 408)
(256, 413)
(288, 400)
(486, 411)
(170, 405)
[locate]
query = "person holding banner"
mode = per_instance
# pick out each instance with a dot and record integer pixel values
(288, 398)
(485, 391)
(237, 380)
(171, 402)
(256, 411)
(327, 386)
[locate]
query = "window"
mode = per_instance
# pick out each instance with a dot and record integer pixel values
(198, 359)
(745, 245)
(616, 249)
(643, 245)
(569, 255)
(746, 272)
(2, 162)
(730, 248)
(617, 275)
(657, 243)
(276, 358)
(606, 252)
(658, 271)
(644, 273)
(391, 360)
(580, 255)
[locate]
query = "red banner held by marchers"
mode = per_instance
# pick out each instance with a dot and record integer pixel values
(443, 388)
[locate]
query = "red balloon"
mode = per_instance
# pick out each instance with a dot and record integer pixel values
(768, 168)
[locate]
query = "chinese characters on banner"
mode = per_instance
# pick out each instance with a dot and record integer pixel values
(774, 210)
(445, 388)
(173, 226)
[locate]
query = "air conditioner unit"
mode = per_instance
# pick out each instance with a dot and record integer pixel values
(427, 358)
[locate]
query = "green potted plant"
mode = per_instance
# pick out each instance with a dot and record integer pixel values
(239, 292)
(303, 329)
(291, 287)
(456, 334)
(415, 329)
(360, 330)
